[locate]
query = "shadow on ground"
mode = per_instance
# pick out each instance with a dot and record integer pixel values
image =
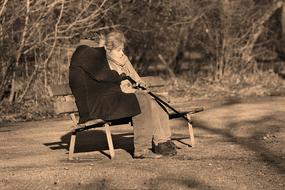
(94, 140)
(257, 136)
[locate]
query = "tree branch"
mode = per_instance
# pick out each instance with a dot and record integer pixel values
(3, 7)
(82, 21)
(19, 53)
(50, 53)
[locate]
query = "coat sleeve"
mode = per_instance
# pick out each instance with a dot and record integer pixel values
(96, 66)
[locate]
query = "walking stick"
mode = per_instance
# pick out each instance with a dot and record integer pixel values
(170, 107)
(161, 101)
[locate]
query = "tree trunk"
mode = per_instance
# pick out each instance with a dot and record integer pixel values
(247, 55)
(2, 64)
(19, 53)
(3, 7)
(226, 12)
(283, 21)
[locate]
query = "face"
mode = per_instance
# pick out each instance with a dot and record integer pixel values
(119, 48)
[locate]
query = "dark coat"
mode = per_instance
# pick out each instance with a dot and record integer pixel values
(96, 87)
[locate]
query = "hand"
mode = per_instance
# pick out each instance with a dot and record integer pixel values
(124, 76)
(126, 87)
(142, 85)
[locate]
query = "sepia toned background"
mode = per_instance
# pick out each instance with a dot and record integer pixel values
(227, 56)
(225, 45)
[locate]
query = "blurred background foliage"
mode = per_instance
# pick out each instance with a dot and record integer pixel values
(229, 43)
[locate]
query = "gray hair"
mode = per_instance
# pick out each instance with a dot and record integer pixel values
(114, 40)
(93, 36)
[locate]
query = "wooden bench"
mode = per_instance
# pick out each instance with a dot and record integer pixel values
(64, 103)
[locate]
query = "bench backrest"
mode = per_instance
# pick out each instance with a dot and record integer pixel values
(64, 100)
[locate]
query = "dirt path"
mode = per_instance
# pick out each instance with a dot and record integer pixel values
(240, 145)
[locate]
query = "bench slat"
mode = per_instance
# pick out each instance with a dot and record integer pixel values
(64, 89)
(69, 106)
(154, 81)
(183, 111)
(59, 90)
(65, 102)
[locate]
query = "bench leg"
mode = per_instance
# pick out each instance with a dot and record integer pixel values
(74, 120)
(73, 137)
(72, 145)
(110, 141)
(191, 132)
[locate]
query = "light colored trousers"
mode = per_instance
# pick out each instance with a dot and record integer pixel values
(152, 124)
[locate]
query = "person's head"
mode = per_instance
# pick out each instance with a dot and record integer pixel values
(115, 41)
(93, 40)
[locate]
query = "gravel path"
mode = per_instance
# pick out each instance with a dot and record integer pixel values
(239, 145)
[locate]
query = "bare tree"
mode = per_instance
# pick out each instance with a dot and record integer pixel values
(158, 31)
(38, 28)
(3, 7)
(283, 21)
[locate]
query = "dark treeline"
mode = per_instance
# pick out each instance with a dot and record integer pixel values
(226, 37)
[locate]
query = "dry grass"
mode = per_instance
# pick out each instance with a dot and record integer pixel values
(39, 106)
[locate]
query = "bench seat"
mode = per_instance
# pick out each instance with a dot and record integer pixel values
(64, 103)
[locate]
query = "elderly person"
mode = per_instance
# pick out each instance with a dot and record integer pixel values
(102, 93)
(152, 124)
(96, 87)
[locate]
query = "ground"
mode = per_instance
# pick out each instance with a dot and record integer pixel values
(239, 145)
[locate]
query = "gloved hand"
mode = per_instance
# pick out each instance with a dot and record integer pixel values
(124, 76)
(142, 85)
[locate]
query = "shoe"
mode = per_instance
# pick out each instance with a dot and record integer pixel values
(167, 148)
(146, 154)
(171, 144)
